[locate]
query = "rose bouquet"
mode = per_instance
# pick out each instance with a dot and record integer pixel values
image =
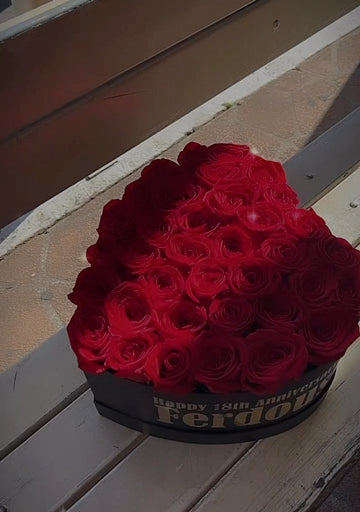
(208, 277)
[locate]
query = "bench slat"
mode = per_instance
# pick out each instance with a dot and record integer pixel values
(73, 448)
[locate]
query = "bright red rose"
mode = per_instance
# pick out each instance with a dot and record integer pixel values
(285, 250)
(275, 358)
(266, 172)
(281, 310)
(155, 228)
(128, 310)
(90, 339)
(181, 320)
(162, 283)
(348, 289)
(232, 244)
(195, 217)
(188, 249)
(282, 195)
(254, 277)
(226, 199)
(339, 252)
(227, 168)
(262, 217)
(232, 314)
(92, 285)
(328, 333)
(206, 280)
(127, 356)
(138, 257)
(315, 286)
(305, 224)
(220, 362)
(194, 154)
(170, 368)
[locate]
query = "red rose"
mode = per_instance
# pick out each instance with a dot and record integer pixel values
(232, 244)
(281, 310)
(254, 277)
(127, 310)
(181, 320)
(281, 194)
(233, 314)
(328, 333)
(170, 368)
(285, 250)
(154, 228)
(262, 217)
(89, 337)
(226, 168)
(127, 356)
(266, 172)
(226, 199)
(195, 217)
(348, 289)
(339, 252)
(101, 254)
(188, 248)
(92, 285)
(194, 154)
(315, 286)
(220, 362)
(116, 223)
(162, 283)
(138, 257)
(206, 280)
(275, 358)
(305, 224)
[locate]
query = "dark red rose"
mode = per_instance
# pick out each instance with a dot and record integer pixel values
(281, 194)
(92, 285)
(116, 223)
(170, 368)
(285, 250)
(127, 356)
(262, 217)
(226, 199)
(194, 154)
(254, 277)
(339, 252)
(206, 280)
(188, 249)
(305, 224)
(265, 171)
(138, 257)
(275, 358)
(162, 283)
(195, 217)
(348, 289)
(181, 320)
(281, 310)
(220, 362)
(101, 254)
(315, 286)
(232, 244)
(154, 228)
(328, 333)
(90, 339)
(128, 310)
(233, 314)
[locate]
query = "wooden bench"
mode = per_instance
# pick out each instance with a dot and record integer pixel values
(59, 454)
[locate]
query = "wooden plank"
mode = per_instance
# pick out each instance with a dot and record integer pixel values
(171, 476)
(73, 142)
(315, 169)
(341, 208)
(77, 52)
(71, 452)
(35, 389)
(287, 473)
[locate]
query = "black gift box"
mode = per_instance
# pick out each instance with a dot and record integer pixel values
(203, 417)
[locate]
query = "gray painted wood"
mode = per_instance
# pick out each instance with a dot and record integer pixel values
(74, 448)
(161, 476)
(36, 388)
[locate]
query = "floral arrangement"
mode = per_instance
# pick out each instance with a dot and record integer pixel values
(208, 276)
